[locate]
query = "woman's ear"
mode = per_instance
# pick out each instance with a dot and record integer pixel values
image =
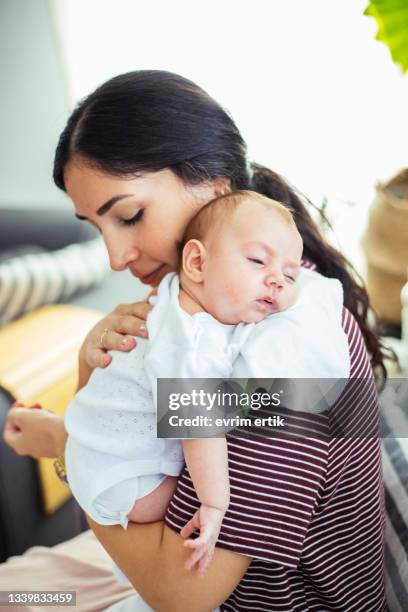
(193, 260)
(222, 186)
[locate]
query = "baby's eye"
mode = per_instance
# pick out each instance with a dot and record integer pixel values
(290, 278)
(254, 260)
(137, 217)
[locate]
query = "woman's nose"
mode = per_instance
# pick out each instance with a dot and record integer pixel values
(121, 255)
(117, 263)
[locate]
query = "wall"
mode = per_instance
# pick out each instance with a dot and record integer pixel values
(34, 103)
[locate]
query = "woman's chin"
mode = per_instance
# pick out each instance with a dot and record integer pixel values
(154, 279)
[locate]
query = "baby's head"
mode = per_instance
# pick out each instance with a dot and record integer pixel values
(241, 257)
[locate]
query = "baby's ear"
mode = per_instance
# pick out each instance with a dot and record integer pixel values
(193, 259)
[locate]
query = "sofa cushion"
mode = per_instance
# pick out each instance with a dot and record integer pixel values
(34, 279)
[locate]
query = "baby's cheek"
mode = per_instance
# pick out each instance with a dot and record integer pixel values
(250, 315)
(235, 312)
(231, 297)
(222, 308)
(288, 297)
(294, 295)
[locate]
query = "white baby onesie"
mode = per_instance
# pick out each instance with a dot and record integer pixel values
(113, 456)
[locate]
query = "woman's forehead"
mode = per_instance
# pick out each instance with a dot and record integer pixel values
(92, 188)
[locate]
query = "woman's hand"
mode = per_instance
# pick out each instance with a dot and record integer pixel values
(38, 433)
(113, 332)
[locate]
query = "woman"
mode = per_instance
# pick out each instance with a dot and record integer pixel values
(304, 531)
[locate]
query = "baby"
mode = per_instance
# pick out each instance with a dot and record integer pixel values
(240, 263)
(241, 258)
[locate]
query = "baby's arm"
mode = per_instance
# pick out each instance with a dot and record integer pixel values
(207, 462)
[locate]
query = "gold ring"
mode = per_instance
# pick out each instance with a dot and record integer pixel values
(102, 338)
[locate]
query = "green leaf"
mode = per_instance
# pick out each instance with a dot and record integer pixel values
(392, 20)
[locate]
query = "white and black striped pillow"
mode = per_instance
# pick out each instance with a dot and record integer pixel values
(395, 465)
(35, 279)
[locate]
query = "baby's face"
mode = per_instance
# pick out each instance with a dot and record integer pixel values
(251, 266)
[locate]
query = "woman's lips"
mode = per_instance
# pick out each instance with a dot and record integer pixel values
(154, 277)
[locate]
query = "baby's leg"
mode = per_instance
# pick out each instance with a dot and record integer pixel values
(153, 506)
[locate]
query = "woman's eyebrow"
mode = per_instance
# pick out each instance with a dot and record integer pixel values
(108, 205)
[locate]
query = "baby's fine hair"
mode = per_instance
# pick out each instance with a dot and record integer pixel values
(220, 209)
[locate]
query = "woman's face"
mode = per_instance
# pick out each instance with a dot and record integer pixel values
(141, 219)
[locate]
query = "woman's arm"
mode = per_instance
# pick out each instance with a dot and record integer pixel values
(38, 433)
(153, 556)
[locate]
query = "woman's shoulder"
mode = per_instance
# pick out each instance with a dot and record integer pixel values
(360, 366)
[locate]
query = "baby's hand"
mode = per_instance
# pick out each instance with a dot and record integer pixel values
(208, 521)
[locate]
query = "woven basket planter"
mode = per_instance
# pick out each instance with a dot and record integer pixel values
(385, 244)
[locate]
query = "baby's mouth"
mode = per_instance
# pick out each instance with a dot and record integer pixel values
(268, 304)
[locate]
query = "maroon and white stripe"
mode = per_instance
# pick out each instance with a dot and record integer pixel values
(309, 511)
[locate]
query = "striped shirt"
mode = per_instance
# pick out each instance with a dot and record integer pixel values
(309, 511)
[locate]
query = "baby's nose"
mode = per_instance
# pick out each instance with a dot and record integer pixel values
(274, 280)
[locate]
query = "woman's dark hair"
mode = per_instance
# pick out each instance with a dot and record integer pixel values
(151, 119)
